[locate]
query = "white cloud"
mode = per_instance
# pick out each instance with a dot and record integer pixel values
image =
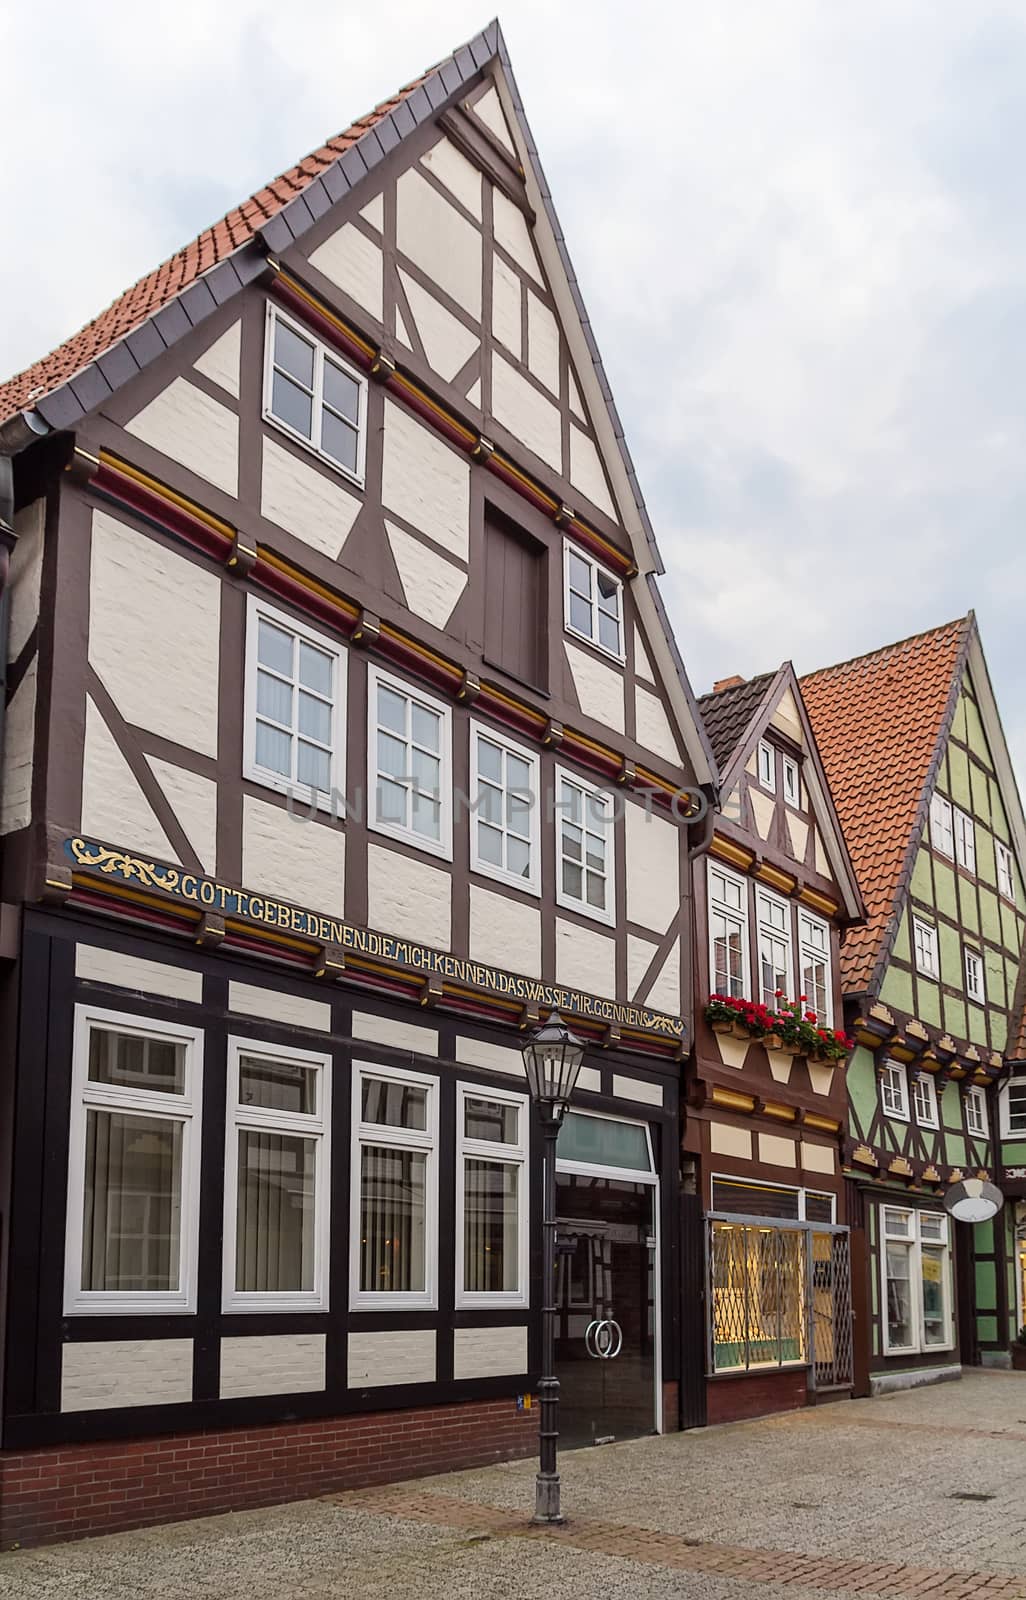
(798, 230)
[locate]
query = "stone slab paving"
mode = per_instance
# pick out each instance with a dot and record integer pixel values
(865, 1498)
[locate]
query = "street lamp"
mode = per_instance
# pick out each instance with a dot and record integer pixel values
(552, 1057)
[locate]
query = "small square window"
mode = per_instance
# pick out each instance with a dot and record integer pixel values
(894, 1090)
(924, 1099)
(974, 981)
(1005, 871)
(965, 841)
(792, 782)
(767, 766)
(976, 1112)
(593, 602)
(314, 395)
(925, 939)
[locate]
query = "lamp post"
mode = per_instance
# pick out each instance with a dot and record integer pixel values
(552, 1057)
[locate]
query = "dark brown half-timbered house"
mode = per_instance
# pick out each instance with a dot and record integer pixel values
(345, 738)
(765, 1221)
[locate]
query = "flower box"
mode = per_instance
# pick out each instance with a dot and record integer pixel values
(722, 1027)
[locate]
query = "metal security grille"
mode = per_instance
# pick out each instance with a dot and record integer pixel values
(779, 1293)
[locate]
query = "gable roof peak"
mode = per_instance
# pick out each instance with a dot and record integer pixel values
(107, 341)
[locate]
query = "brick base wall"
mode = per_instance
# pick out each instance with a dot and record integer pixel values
(69, 1491)
(755, 1395)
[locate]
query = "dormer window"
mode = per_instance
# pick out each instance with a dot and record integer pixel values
(767, 767)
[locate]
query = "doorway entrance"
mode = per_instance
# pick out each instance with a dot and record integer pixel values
(607, 1298)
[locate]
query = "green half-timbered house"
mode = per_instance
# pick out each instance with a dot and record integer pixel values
(913, 747)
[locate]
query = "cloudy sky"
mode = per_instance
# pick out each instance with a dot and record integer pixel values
(799, 230)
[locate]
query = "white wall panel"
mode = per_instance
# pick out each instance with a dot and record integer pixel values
(125, 1372)
(353, 262)
(400, 1035)
(379, 1359)
(505, 932)
(274, 1005)
(653, 848)
(441, 242)
(188, 426)
(282, 1363)
(193, 799)
(113, 805)
(299, 861)
(532, 419)
(585, 960)
(408, 897)
(425, 482)
(448, 344)
(489, 1352)
(311, 505)
(432, 584)
(132, 972)
(220, 362)
(451, 167)
(599, 688)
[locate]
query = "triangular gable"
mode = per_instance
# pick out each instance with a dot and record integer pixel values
(743, 713)
(881, 721)
(166, 305)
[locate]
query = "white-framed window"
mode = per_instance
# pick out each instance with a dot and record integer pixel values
(1005, 870)
(924, 1100)
(942, 831)
(975, 986)
(965, 841)
(314, 395)
(394, 1227)
(976, 1112)
(728, 932)
(894, 1090)
(814, 953)
(277, 1175)
(409, 764)
(773, 933)
(792, 781)
(492, 1131)
(916, 1270)
(133, 1165)
(295, 733)
(584, 848)
(504, 825)
(1012, 1102)
(767, 766)
(924, 938)
(593, 602)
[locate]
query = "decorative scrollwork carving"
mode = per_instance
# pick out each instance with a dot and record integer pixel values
(117, 864)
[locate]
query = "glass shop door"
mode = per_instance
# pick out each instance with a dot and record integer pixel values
(607, 1325)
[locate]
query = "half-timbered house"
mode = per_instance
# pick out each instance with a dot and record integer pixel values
(913, 748)
(765, 1094)
(345, 738)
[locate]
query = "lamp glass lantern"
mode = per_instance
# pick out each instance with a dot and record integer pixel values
(552, 1058)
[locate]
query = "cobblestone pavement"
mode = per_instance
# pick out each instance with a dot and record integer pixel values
(915, 1497)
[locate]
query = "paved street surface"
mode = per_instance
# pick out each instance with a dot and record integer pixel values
(918, 1495)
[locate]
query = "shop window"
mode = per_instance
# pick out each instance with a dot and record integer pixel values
(410, 764)
(504, 827)
(593, 602)
(276, 1178)
(491, 1197)
(728, 932)
(314, 395)
(394, 1188)
(133, 1174)
(295, 706)
(758, 1281)
(775, 1200)
(584, 848)
(916, 1281)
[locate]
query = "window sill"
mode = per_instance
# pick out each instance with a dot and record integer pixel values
(357, 479)
(440, 849)
(301, 807)
(593, 644)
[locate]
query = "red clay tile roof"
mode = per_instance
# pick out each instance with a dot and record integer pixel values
(877, 720)
(157, 288)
